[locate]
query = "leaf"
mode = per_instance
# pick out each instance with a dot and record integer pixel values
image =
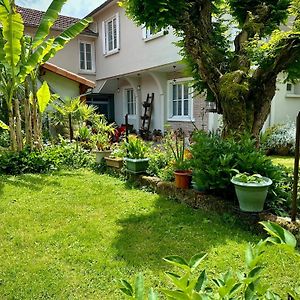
(139, 287)
(176, 295)
(13, 29)
(152, 295)
(126, 292)
(3, 125)
(69, 34)
(180, 282)
(201, 282)
(177, 261)
(279, 234)
(47, 21)
(128, 287)
(196, 260)
(43, 96)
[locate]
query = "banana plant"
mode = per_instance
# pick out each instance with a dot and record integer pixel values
(21, 57)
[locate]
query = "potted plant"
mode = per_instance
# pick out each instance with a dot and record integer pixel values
(251, 191)
(102, 137)
(136, 150)
(102, 142)
(115, 160)
(182, 173)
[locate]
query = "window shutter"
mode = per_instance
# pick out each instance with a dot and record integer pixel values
(104, 39)
(118, 30)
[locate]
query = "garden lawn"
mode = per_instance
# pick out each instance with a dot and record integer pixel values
(287, 161)
(74, 235)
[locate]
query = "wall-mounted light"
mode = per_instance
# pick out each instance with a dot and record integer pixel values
(118, 81)
(174, 75)
(139, 82)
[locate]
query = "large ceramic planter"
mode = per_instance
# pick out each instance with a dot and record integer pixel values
(136, 166)
(116, 163)
(183, 179)
(252, 196)
(102, 154)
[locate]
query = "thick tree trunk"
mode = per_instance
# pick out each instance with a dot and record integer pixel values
(19, 136)
(12, 131)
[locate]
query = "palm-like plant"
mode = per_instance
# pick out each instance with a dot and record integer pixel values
(20, 59)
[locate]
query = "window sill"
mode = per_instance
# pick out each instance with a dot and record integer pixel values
(178, 119)
(86, 72)
(154, 36)
(292, 96)
(112, 52)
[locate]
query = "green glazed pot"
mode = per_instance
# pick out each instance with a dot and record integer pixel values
(252, 196)
(136, 166)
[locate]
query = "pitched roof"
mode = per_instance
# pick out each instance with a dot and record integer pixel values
(99, 8)
(67, 74)
(33, 17)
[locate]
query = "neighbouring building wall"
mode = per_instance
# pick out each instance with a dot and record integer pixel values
(285, 105)
(134, 52)
(61, 85)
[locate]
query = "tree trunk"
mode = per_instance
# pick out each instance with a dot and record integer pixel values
(71, 128)
(19, 136)
(13, 137)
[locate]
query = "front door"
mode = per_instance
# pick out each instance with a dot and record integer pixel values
(104, 104)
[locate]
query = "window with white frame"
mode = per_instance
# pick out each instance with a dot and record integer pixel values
(149, 33)
(181, 100)
(86, 56)
(111, 35)
(131, 101)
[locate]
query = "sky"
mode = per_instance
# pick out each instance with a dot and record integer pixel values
(73, 8)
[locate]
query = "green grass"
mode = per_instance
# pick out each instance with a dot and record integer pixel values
(75, 235)
(287, 161)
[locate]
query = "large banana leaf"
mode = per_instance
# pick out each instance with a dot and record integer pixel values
(43, 96)
(47, 21)
(35, 59)
(13, 29)
(66, 36)
(5, 8)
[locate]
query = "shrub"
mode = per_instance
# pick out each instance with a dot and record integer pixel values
(215, 161)
(4, 138)
(280, 139)
(51, 158)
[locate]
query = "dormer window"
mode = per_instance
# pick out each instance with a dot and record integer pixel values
(86, 51)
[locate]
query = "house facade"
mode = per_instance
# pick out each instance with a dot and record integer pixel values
(128, 62)
(69, 73)
(132, 62)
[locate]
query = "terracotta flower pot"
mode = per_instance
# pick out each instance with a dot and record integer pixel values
(116, 163)
(183, 179)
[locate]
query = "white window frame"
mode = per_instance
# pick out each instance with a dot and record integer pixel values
(126, 89)
(182, 118)
(116, 47)
(93, 56)
(148, 36)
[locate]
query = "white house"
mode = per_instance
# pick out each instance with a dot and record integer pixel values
(131, 62)
(128, 62)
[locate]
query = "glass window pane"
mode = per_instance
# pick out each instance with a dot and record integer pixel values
(186, 107)
(115, 33)
(88, 56)
(186, 91)
(179, 91)
(179, 108)
(175, 105)
(175, 92)
(82, 57)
